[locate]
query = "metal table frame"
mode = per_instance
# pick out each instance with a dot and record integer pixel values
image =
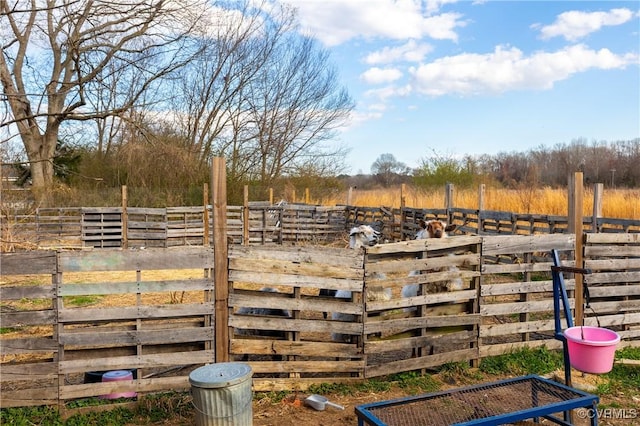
(584, 400)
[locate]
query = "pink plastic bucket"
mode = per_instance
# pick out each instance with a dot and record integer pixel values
(591, 349)
(117, 376)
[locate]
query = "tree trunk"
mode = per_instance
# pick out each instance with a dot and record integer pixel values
(40, 151)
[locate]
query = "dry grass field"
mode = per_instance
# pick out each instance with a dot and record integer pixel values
(617, 203)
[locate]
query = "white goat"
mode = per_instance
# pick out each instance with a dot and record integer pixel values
(360, 236)
(432, 229)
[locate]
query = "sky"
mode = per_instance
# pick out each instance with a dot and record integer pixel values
(454, 78)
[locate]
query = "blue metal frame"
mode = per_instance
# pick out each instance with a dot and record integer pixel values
(584, 401)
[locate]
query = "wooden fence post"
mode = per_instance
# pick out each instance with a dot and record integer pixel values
(350, 195)
(205, 214)
(307, 196)
(576, 196)
(220, 258)
(481, 193)
(125, 218)
(448, 200)
(403, 205)
(245, 216)
(270, 196)
(598, 188)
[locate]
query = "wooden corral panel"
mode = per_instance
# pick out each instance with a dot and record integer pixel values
(293, 348)
(516, 301)
(116, 316)
(614, 285)
(185, 226)
(59, 227)
(28, 346)
(140, 323)
(413, 330)
(306, 223)
(102, 227)
(146, 227)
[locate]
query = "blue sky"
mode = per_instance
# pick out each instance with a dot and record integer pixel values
(479, 77)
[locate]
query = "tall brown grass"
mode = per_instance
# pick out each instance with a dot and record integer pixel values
(616, 203)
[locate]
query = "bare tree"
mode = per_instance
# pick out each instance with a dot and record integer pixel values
(263, 96)
(387, 169)
(57, 54)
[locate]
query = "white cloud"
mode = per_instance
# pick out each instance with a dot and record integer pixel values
(411, 51)
(334, 22)
(574, 25)
(377, 75)
(508, 69)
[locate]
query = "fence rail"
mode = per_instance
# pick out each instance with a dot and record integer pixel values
(68, 314)
(109, 227)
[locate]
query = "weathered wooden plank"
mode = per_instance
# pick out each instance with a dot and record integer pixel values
(421, 362)
(615, 319)
(615, 306)
(612, 264)
(430, 244)
(273, 266)
(38, 396)
(613, 291)
(237, 300)
(136, 337)
(29, 371)
(436, 338)
(503, 348)
(617, 238)
(402, 325)
(16, 319)
(254, 322)
(300, 348)
(30, 262)
(492, 330)
(307, 254)
(166, 359)
(127, 260)
(191, 284)
(134, 312)
(517, 244)
(313, 366)
(144, 385)
(522, 287)
(612, 251)
(28, 345)
(518, 268)
(27, 292)
(297, 280)
(519, 307)
(426, 299)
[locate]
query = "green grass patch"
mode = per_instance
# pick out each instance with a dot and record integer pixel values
(524, 361)
(82, 300)
(415, 383)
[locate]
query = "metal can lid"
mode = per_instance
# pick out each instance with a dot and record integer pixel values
(220, 375)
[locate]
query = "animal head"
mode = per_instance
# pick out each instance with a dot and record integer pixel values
(435, 228)
(363, 236)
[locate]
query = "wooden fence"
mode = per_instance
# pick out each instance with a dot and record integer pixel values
(260, 223)
(68, 314)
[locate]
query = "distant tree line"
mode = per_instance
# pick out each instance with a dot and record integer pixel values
(611, 163)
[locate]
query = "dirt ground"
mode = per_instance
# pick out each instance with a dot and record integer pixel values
(292, 411)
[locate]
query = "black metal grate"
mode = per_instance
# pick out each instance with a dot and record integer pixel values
(477, 402)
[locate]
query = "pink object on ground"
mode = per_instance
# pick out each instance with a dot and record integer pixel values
(116, 376)
(591, 349)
